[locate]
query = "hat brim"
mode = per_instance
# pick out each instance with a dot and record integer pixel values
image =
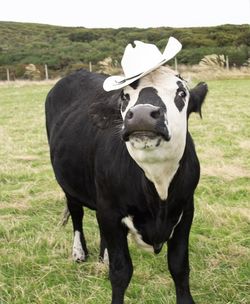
(118, 82)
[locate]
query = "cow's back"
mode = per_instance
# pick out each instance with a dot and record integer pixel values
(71, 132)
(76, 90)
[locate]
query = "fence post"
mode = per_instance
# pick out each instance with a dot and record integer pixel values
(46, 72)
(227, 63)
(90, 66)
(8, 74)
(175, 64)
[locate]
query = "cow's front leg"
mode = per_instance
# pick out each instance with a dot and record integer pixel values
(178, 261)
(120, 264)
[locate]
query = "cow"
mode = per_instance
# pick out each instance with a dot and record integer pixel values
(128, 155)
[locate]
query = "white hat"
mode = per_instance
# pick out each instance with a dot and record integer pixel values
(140, 60)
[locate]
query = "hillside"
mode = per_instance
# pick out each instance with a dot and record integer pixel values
(63, 47)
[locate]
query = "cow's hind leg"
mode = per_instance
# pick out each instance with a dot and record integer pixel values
(80, 251)
(103, 256)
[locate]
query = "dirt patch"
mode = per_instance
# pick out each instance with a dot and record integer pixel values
(221, 216)
(22, 83)
(243, 212)
(245, 144)
(20, 205)
(228, 172)
(26, 158)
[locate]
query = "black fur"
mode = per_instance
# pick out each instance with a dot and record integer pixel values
(135, 84)
(179, 99)
(149, 95)
(197, 97)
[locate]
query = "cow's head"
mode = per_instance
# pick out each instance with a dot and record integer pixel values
(153, 113)
(155, 110)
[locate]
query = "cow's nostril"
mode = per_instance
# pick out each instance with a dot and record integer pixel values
(155, 114)
(130, 115)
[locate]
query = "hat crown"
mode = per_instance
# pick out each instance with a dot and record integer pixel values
(139, 61)
(140, 58)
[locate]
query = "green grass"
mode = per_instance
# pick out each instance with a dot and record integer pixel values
(35, 251)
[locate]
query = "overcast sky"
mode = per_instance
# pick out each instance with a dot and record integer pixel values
(127, 13)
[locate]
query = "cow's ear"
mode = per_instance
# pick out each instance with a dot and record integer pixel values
(197, 97)
(105, 112)
(104, 116)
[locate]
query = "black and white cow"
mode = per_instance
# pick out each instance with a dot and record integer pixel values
(128, 155)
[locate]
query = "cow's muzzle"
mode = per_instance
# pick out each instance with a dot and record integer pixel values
(145, 120)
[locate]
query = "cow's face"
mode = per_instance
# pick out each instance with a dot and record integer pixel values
(154, 112)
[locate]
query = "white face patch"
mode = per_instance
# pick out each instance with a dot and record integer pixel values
(160, 158)
(78, 253)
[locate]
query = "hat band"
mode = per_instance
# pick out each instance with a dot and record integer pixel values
(127, 79)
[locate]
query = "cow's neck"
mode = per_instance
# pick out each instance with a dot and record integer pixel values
(161, 176)
(159, 165)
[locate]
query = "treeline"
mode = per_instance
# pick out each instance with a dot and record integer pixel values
(63, 48)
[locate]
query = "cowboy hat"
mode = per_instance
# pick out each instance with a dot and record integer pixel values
(139, 60)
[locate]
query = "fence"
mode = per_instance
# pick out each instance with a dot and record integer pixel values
(42, 72)
(38, 72)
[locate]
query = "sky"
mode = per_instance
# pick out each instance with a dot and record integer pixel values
(127, 13)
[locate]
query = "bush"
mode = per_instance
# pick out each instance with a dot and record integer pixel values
(61, 47)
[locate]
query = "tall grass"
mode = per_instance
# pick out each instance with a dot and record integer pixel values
(35, 251)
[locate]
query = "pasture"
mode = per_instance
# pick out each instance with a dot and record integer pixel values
(35, 251)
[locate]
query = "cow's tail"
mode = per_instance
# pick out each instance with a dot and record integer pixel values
(65, 216)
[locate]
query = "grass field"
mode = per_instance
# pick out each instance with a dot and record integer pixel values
(35, 251)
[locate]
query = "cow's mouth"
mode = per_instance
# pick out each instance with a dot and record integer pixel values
(144, 135)
(145, 140)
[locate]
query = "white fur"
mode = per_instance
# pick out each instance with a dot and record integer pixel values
(160, 162)
(78, 253)
(128, 221)
(156, 167)
(172, 233)
(145, 142)
(106, 257)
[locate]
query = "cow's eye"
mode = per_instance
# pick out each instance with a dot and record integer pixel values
(182, 94)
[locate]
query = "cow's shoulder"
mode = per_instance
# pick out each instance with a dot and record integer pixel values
(70, 86)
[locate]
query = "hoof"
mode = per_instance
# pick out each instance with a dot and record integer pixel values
(105, 258)
(79, 255)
